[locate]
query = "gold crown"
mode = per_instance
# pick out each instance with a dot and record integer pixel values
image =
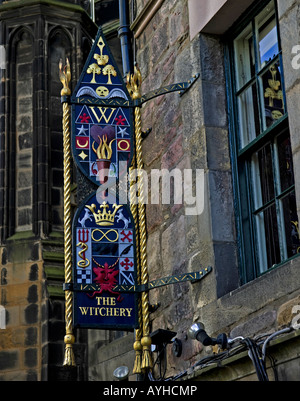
(104, 217)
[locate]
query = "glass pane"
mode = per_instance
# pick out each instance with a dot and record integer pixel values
(291, 225)
(272, 95)
(244, 57)
(267, 238)
(285, 162)
(262, 177)
(248, 115)
(267, 38)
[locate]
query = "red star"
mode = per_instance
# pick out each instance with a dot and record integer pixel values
(84, 118)
(120, 120)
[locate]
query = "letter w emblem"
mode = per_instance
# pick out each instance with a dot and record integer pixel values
(103, 114)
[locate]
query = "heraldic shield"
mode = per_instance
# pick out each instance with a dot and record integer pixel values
(102, 124)
(104, 264)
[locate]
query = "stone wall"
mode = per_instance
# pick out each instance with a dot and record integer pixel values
(35, 36)
(23, 296)
(24, 130)
(192, 131)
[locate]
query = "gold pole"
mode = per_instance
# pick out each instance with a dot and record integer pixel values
(69, 339)
(137, 346)
(134, 87)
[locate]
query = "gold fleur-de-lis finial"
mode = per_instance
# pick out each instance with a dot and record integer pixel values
(134, 82)
(65, 77)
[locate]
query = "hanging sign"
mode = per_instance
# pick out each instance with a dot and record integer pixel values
(104, 259)
(102, 125)
(103, 230)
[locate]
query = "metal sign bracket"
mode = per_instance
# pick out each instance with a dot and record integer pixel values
(181, 87)
(176, 279)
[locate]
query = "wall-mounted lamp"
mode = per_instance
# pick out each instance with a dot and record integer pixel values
(121, 373)
(197, 332)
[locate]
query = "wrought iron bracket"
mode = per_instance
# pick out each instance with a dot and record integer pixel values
(182, 88)
(180, 278)
(68, 286)
(65, 99)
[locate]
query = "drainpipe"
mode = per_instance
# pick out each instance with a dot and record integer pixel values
(124, 34)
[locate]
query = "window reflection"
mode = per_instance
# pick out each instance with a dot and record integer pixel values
(273, 95)
(268, 42)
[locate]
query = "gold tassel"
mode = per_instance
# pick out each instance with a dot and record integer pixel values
(65, 78)
(137, 368)
(69, 359)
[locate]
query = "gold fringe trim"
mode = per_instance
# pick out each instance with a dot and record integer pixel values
(69, 356)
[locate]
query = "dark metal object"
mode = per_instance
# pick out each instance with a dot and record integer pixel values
(161, 336)
(180, 278)
(124, 34)
(181, 87)
(177, 347)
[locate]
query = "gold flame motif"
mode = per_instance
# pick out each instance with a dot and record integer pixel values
(104, 150)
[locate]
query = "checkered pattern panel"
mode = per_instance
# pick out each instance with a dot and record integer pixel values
(84, 276)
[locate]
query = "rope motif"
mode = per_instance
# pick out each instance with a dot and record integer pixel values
(134, 86)
(69, 339)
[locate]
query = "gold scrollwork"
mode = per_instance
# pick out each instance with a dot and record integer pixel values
(83, 263)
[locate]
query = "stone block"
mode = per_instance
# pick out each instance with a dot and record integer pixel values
(212, 52)
(260, 324)
(285, 5)
(154, 255)
(159, 42)
(24, 124)
(173, 245)
(17, 294)
(214, 105)
(24, 105)
(9, 359)
(12, 316)
(288, 311)
(218, 156)
(226, 268)
(192, 110)
(25, 88)
(24, 160)
(31, 336)
(24, 197)
(25, 140)
(3, 276)
(24, 179)
(34, 272)
(24, 217)
(289, 33)
(17, 339)
(178, 25)
(221, 204)
(30, 357)
(32, 296)
(31, 314)
(293, 104)
(154, 217)
(32, 375)
(173, 154)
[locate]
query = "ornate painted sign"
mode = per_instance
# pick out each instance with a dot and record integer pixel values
(104, 255)
(101, 283)
(102, 130)
(103, 233)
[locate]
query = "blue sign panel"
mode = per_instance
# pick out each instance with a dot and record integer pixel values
(101, 132)
(104, 261)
